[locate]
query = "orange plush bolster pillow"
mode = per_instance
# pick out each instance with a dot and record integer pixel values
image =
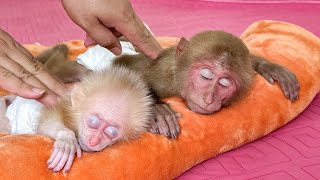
(203, 136)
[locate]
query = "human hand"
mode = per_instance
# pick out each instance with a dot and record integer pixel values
(24, 76)
(106, 20)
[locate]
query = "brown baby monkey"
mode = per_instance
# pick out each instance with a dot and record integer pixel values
(105, 107)
(212, 70)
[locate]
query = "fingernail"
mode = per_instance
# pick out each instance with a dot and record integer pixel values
(174, 136)
(38, 91)
(178, 115)
(116, 50)
(89, 42)
(168, 134)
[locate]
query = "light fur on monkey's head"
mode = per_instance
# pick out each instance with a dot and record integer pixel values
(120, 79)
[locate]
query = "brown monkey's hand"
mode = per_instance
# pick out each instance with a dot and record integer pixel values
(64, 149)
(165, 121)
(287, 80)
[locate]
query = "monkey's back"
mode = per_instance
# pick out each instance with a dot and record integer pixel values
(159, 73)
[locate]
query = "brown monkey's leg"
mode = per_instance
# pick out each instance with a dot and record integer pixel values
(55, 60)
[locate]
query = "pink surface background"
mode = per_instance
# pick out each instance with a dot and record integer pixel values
(292, 152)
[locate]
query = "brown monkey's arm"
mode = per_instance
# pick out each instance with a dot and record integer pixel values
(274, 72)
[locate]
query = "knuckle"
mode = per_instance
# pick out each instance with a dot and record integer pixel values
(127, 16)
(106, 42)
(3, 44)
(25, 74)
(159, 116)
(37, 67)
(167, 116)
(4, 74)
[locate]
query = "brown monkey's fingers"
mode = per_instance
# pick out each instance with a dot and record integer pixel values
(162, 124)
(104, 37)
(172, 121)
(178, 115)
(284, 87)
(268, 77)
(13, 84)
(154, 126)
(136, 32)
(295, 85)
(292, 88)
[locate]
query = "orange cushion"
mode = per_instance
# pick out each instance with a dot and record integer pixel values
(203, 136)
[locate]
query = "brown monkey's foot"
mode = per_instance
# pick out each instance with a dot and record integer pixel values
(165, 121)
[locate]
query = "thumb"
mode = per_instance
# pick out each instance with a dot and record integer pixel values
(89, 41)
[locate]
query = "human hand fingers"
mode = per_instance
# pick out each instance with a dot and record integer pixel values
(21, 74)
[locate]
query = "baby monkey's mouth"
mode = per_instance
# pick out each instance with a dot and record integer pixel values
(86, 148)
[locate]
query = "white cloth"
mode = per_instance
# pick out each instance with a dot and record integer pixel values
(23, 113)
(97, 57)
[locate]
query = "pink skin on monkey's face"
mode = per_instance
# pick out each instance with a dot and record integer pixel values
(208, 86)
(101, 123)
(98, 133)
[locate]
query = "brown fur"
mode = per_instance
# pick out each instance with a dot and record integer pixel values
(167, 75)
(55, 60)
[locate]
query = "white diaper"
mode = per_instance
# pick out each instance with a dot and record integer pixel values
(23, 113)
(97, 57)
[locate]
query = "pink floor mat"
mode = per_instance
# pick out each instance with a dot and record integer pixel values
(292, 152)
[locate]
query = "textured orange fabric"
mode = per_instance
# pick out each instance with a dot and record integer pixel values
(203, 136)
